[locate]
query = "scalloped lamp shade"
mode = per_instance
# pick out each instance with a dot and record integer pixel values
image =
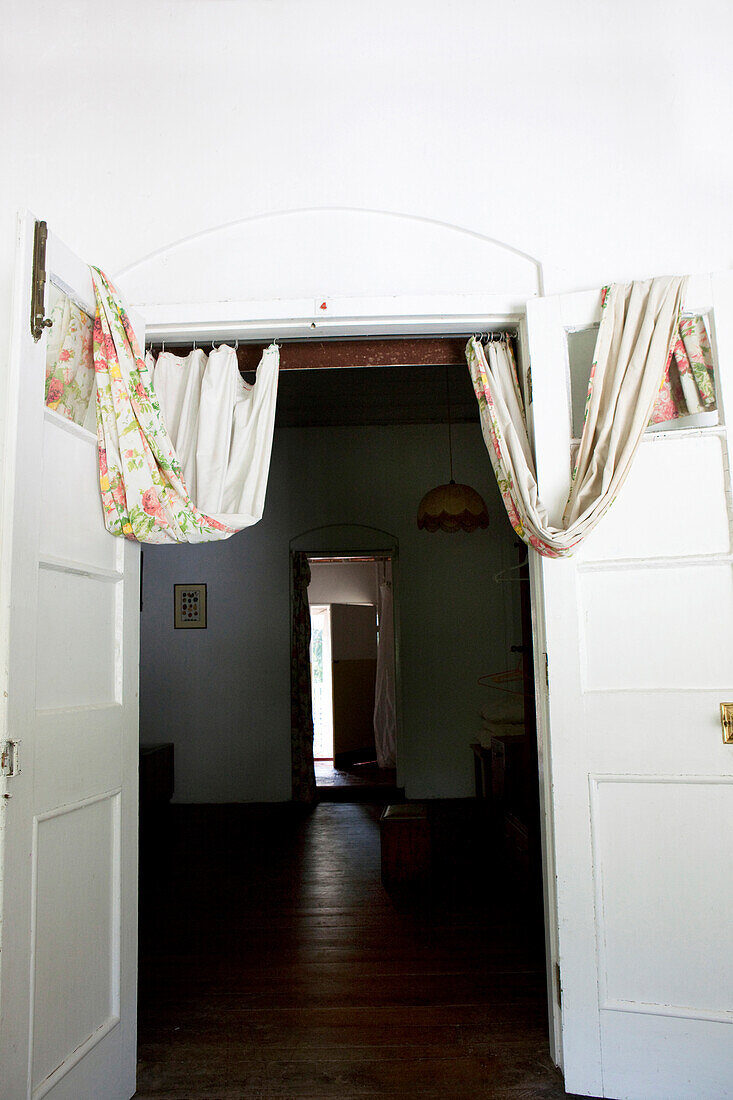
(452, 508)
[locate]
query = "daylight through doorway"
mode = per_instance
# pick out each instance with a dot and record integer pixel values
(321, 683)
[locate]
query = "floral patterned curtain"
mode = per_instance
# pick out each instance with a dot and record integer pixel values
(301, 701)
(69, 363)
(385, 707)
(144, 496)
(688, 386)
(640, 336)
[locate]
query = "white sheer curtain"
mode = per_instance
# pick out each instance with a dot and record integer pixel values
(221, 428)
(385, 720)
(639, 330)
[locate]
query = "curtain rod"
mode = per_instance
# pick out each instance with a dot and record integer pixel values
(348, 558)
(494, 334)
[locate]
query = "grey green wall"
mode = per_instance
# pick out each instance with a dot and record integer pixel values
(222, 695)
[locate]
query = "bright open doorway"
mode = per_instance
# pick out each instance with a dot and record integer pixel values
(321, 683)
(353, 674)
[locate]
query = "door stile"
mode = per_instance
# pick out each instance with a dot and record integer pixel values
(562, 709)
(19, 610)
(544, 762)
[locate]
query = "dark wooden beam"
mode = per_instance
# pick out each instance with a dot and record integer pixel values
(325, 354)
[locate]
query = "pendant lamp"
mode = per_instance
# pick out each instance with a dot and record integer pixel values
(452, 507)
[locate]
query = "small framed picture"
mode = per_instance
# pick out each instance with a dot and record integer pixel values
(189, 606)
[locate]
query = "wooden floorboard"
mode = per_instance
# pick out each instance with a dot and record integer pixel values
(274, 964)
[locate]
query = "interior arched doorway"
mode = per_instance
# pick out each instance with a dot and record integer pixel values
(345, 697)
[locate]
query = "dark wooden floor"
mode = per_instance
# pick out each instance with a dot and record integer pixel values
(360, 782)
(273, 964)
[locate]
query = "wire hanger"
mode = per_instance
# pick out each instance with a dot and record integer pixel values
(496, 680)
(504, 574)
(450, 424)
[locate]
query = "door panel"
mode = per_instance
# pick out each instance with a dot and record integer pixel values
(354, 655)
(639, 641)
(68, 977)
(676, 516)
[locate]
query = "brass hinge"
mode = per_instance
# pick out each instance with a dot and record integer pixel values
(39, 321)
(558, 983)
(9, 764)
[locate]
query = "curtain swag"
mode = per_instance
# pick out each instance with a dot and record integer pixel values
(144, 493)
(641, 343)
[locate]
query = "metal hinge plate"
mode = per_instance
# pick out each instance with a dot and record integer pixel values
(558, 983)
(9, 764)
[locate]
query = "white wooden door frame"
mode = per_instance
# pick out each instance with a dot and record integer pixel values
(457, 314)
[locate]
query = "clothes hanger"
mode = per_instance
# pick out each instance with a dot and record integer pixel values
(503, 574)
(496, 680)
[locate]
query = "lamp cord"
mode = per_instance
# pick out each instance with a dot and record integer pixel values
(450, 426)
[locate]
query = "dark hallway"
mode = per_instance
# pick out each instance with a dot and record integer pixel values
(274, 964)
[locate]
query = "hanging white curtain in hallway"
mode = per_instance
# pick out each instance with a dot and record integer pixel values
(221, 428)
(385, 720)
(638, 335)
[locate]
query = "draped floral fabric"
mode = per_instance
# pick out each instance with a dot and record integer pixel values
(639, 335)
(69, 362)
(301, 701)
(688, 384)
(144, 497)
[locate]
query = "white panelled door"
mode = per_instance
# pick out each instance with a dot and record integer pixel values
(70, 607)
(639, 639)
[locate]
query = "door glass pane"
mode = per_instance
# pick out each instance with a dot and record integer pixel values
(69, 359)
(581, 345)
(687, 398)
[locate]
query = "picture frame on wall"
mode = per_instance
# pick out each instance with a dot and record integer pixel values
(189, 606)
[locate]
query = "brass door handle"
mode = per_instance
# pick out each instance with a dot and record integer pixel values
(726, 721)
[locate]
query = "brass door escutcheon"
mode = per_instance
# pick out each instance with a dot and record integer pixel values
(726, 721)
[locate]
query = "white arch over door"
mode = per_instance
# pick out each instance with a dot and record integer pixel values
(308, 270)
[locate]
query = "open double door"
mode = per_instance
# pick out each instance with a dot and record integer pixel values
(638, 632)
